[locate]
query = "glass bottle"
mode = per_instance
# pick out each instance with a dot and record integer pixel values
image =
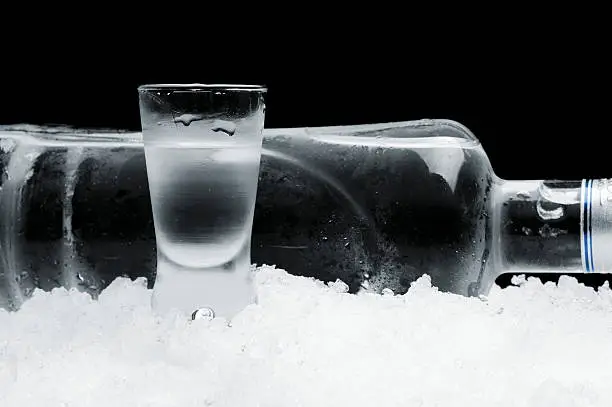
(376, 206)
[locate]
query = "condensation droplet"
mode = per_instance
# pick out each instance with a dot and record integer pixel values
(224, 126)
(187, 118)
(523, 195)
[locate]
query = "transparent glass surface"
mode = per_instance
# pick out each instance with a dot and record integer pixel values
(374, 205)
(203, 149)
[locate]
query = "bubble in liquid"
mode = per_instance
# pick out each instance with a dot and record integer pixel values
(549, 213)
(554, 192)
(224, 126)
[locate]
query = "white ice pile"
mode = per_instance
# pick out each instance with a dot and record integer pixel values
(311, 344)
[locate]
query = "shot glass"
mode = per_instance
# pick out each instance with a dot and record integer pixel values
(203, 148)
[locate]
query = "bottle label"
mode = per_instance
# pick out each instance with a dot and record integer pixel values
(596, 225)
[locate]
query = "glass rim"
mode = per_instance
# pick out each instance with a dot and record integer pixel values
(201, 87)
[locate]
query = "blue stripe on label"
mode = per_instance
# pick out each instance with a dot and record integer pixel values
(586, 229)
(592, 265)
(583, 225)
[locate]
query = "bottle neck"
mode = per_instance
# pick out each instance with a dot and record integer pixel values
(554, 226)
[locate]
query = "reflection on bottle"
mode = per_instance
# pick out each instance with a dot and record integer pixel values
(554, 197)
(549, 211)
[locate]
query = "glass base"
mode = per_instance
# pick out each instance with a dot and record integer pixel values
(225, 290)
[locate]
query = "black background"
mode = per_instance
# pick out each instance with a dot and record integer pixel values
(533, 86)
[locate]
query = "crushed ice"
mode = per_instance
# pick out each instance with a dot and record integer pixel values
(307, 343)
